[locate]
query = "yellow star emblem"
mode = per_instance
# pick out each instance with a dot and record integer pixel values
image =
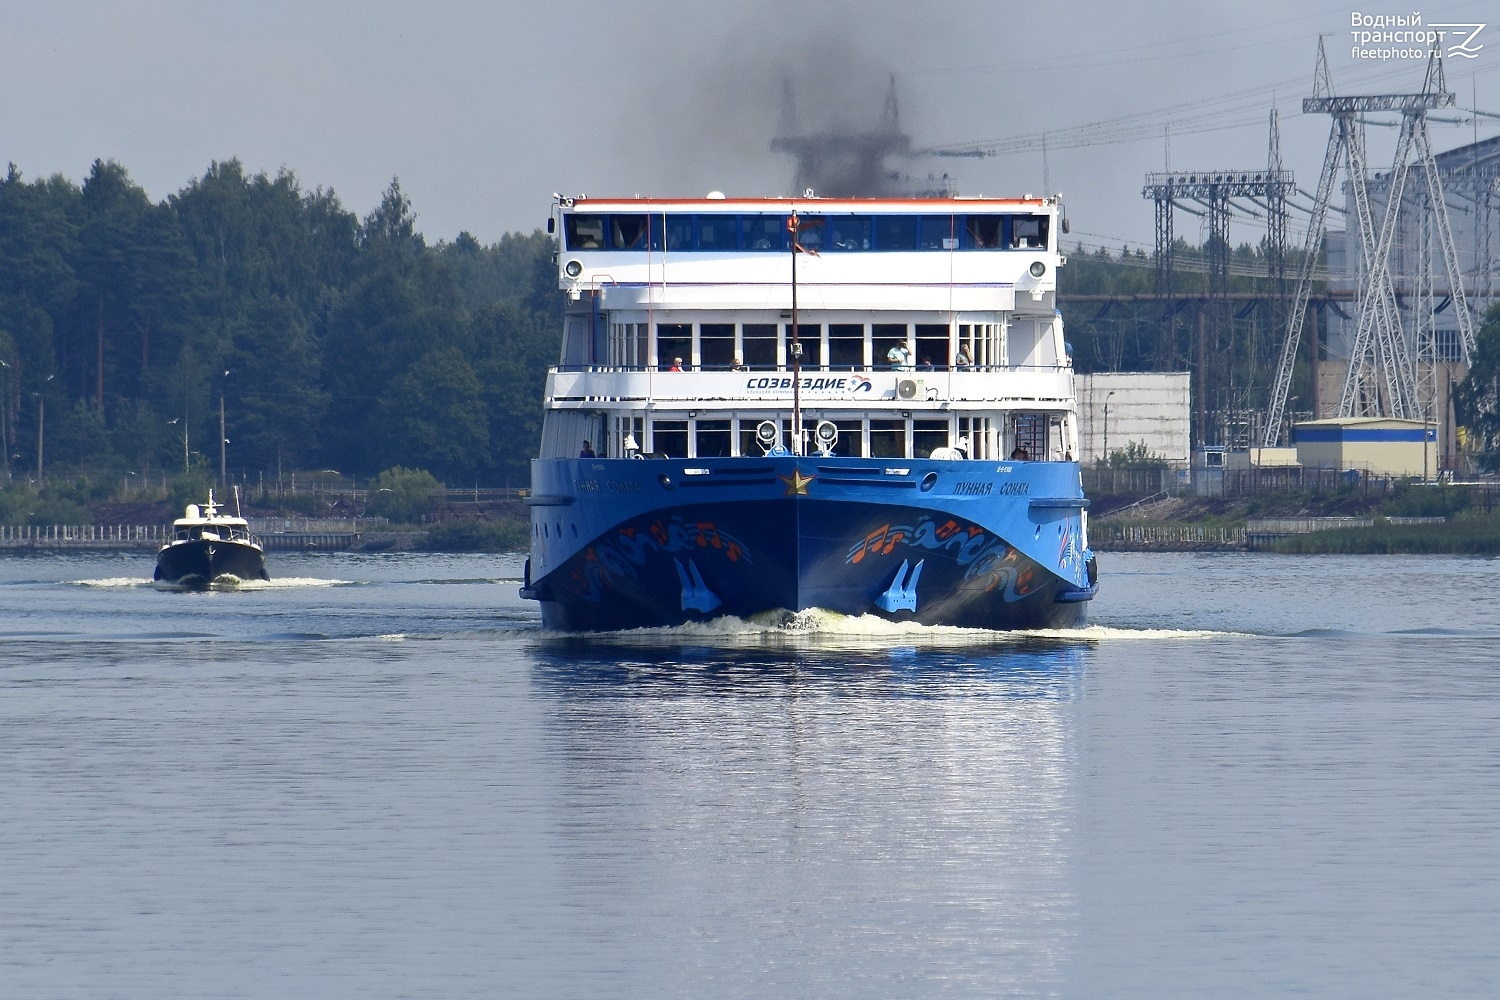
(796, 483)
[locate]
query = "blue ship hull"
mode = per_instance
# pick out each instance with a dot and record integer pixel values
(620, 544)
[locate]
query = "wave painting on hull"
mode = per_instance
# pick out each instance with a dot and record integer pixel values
(859, 405)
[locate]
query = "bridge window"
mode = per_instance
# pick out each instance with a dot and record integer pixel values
(627, 232)
(849, 232)
(822, 233)
(981, 232)
(1028, 232)
(584, 232)
(718, 232)
(895, 232)
(678, 232)
(938, 233)
(765, 232)
(812, 232)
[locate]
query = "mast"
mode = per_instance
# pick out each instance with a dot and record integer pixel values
(796, 346)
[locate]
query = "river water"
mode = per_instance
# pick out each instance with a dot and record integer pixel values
(1252, 776)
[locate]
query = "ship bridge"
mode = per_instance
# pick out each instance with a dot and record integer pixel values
(916, 254)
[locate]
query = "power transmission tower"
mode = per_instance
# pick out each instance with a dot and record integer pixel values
(1215, 191)
(1164, 244)
(1381, 377)
(1276, 196)
(1276, 211)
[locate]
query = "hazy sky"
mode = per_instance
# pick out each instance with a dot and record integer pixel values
(482, 110)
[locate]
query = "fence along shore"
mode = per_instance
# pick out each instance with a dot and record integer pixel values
(275, 534)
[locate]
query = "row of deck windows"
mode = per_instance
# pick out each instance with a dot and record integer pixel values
(831, 346)
(1022, 435)
(679, 233)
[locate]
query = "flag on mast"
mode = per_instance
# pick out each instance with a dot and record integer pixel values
(793, 225)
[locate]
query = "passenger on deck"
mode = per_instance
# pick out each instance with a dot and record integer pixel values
(899, 357)
(738, 365)
(676, 365)
(962, 359)
(1020, 454)
(588, 451)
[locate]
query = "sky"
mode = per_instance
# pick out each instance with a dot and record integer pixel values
(483, 110)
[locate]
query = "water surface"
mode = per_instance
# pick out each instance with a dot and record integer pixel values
(377, 776)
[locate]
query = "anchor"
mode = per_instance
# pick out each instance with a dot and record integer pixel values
(901, 595)
(695, 593)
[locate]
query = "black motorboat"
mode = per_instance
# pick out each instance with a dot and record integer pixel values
(208, 547)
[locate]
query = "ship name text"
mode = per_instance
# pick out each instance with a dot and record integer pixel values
(605, 486)
(850, 384)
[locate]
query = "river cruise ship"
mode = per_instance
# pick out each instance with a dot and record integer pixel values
(773, 405)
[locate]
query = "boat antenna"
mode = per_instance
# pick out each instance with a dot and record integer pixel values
(237, 501)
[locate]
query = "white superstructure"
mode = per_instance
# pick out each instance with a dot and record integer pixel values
(923, 324)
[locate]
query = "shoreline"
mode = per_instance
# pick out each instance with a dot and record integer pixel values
(97, 538)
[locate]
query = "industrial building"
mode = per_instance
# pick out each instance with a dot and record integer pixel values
(1116, 409)
(1378, 446)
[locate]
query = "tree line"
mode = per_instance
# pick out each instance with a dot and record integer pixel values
(329, 340)
(333, 341)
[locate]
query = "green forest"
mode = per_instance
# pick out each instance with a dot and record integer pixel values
(331, 341)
